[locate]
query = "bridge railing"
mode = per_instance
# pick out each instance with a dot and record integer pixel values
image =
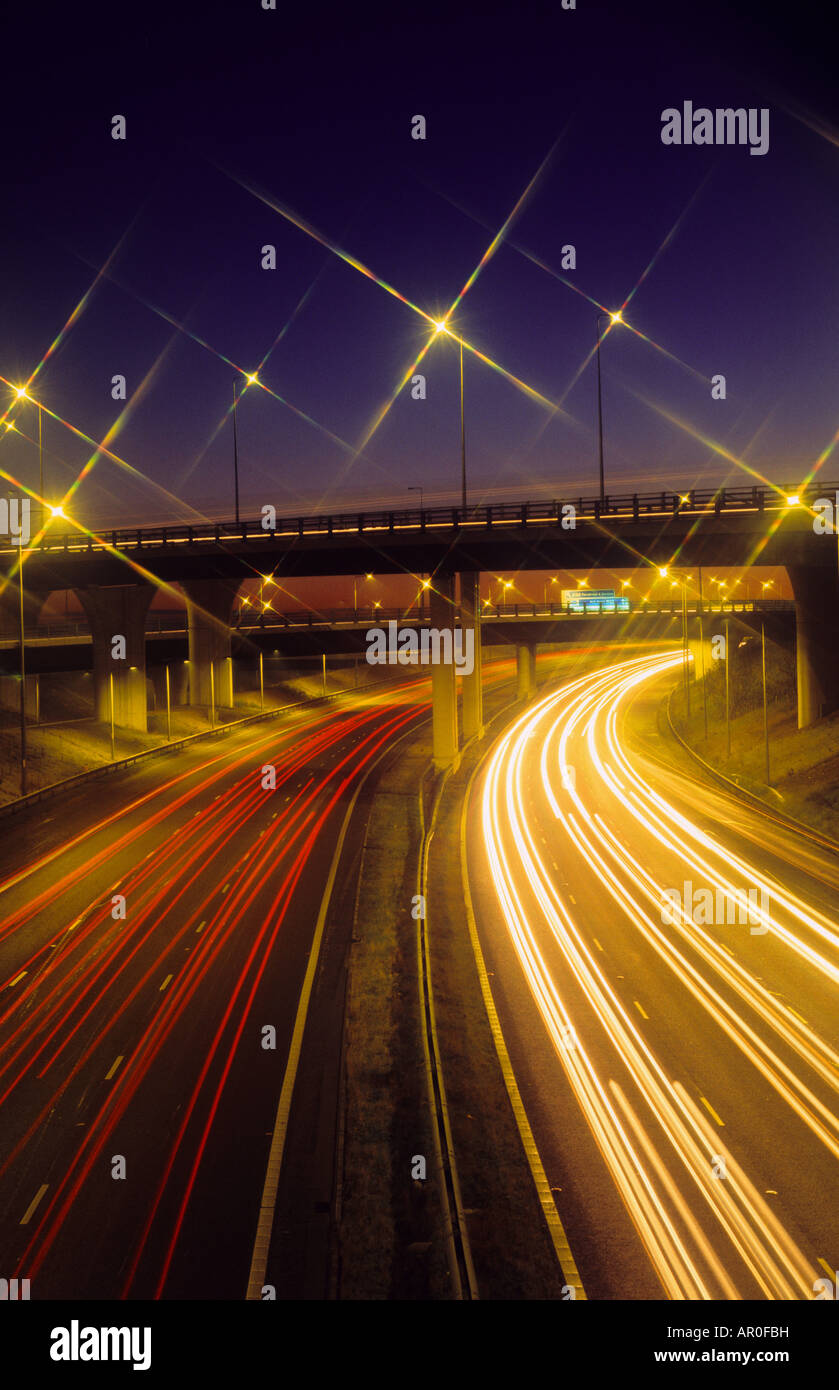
(623, 506)
(174, 624)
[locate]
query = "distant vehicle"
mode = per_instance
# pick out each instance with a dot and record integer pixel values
(594, 601)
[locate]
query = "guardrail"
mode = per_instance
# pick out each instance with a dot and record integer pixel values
(623, 507)
(175, 625)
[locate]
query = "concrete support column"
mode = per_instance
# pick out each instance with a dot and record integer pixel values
(714, 623)
(33, 602)
(117, 617)
(443, 681)
(816, 594)
(209, 608)
(525, 670)
(472, 692)
(10, 696)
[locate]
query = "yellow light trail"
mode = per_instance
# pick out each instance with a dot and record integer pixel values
(699, 1233)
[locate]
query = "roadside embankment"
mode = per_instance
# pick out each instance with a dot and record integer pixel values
(803, 776)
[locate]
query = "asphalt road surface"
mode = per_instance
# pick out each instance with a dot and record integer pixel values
(675, 1041)
(152, 929)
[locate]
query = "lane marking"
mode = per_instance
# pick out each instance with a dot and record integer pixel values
(597, 943)
(201, 926)
(645, 1015)
(562, 1250)
(114, 1067)
(711, 1111)
(268, 1201)
(826, 1266)
(165, 982)
(16, 980)
(30, 1210)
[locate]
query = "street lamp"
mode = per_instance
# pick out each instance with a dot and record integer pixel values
(552, 580)
(21, 394)
(613, 319)
(355, 580)
(442, 327)
(251, 378)
(425, 585)
(22, 680)
(420, 491)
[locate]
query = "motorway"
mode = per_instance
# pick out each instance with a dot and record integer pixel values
(141, 1037)
(677, 1065)
(676, 1053)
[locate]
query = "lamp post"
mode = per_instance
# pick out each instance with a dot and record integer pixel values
(727, 690)
(250, 377)
(462, 436)
(765, 702)
(613, 319)
(355, 580)
(22, 681)
(420, 491)
(21, 394)
(443, 327)
(235, 448)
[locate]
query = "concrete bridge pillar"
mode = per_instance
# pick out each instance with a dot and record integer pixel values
(33, 602)
(209, 608)
(816, 593)
(443, 680)
(472, 685)
(525, 670)
(702, 652)
(10, 696)
(117, 617)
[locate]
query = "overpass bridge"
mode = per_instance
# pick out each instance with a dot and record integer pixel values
(66, 645)
(115, 575)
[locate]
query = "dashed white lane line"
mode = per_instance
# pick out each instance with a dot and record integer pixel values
(30, 1210)
(712, 1112)
(166, 981)
(114, 1067)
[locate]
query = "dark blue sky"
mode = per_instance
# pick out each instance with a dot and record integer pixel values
(315, 111)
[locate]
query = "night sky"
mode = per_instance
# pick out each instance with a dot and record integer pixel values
(159, 238)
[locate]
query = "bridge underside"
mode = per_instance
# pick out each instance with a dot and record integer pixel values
(203, 659)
